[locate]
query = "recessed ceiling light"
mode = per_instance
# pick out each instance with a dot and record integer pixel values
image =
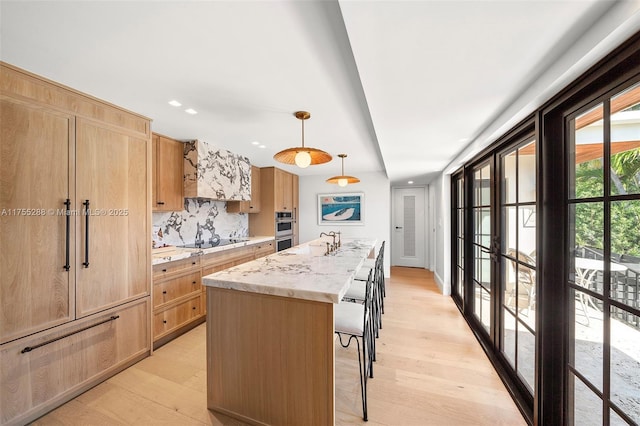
(191, 111)
(175, 103)
(262, 146)
(255, 143)
(410, 182)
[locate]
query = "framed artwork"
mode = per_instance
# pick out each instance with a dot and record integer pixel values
(341, 208)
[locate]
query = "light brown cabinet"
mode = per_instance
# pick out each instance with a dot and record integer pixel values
(278, 192)
(75, 198)
(179, 298)
(36, 379)
(253, 205)
(282, 190)
(36, 291)
(168, 175)
(177, 291)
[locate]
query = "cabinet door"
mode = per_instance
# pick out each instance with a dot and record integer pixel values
(111, 168)
(36, 381)
(254, 204)
(282, 190)
(36, 290)
(169, 161)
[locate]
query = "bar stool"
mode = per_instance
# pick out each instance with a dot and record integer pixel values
(355, 322)
(356, 291)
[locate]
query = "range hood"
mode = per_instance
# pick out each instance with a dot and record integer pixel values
(215, 173)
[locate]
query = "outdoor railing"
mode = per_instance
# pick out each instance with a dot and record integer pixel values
(624, 285)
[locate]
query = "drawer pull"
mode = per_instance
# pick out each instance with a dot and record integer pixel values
(164, 292)
(193, 263)
(164, 321)
(164, 270)
(194, 308)
(30, 348)
(195, 282)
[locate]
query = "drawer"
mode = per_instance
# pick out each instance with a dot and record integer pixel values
(264, 249)
(171, 319)
(96, 347)
(227, 257)
(172, 289)
(169, 269)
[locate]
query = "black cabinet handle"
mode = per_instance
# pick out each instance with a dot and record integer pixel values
(194, 308)
(67, 204)
(161, 203)
(30, 348)
(193, 263)
(86, 234)
(164, 270)
(194, 282)
(164, 321)
(164, 292)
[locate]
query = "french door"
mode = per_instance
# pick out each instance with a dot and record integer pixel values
(603, 304)
(494, 257)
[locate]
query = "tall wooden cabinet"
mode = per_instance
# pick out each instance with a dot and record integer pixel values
(168, 174)
(74, 247)
(278, 192)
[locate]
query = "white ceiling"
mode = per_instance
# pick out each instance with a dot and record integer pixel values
(400, 86)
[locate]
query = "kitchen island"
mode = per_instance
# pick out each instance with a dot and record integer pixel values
(270, 333)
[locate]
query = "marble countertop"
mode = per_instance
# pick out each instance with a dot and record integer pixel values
(168, 254)
(302, 272)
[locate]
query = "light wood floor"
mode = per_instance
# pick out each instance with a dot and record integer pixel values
(430, 371)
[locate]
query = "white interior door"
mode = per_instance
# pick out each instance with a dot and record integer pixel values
(408, 227)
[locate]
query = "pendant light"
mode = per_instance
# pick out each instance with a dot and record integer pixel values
(343, 180)
(302, 156)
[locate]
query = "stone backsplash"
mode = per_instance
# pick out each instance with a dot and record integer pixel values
(179, 228)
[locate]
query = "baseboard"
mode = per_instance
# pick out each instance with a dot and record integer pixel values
(440, 284)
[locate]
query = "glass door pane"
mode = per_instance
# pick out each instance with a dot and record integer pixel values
(482, 236)
(518, 259)
(458, 221)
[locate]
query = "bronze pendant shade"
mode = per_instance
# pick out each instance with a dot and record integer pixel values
(302, 156)
(343, 180)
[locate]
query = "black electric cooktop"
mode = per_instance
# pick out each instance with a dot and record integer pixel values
(215, 243)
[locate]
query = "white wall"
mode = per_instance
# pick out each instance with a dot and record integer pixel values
(441, 188)
(377, 210)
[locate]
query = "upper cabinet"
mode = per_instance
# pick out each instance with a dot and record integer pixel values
(253, 205)
(168, 176)
(282, 190)
(214, 173)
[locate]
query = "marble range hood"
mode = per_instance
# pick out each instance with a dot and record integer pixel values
(215, 173)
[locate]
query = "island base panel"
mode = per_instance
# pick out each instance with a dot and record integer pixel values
(270, 359)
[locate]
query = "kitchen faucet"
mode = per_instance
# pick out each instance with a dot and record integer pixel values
(199, 240)
(333, 246)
